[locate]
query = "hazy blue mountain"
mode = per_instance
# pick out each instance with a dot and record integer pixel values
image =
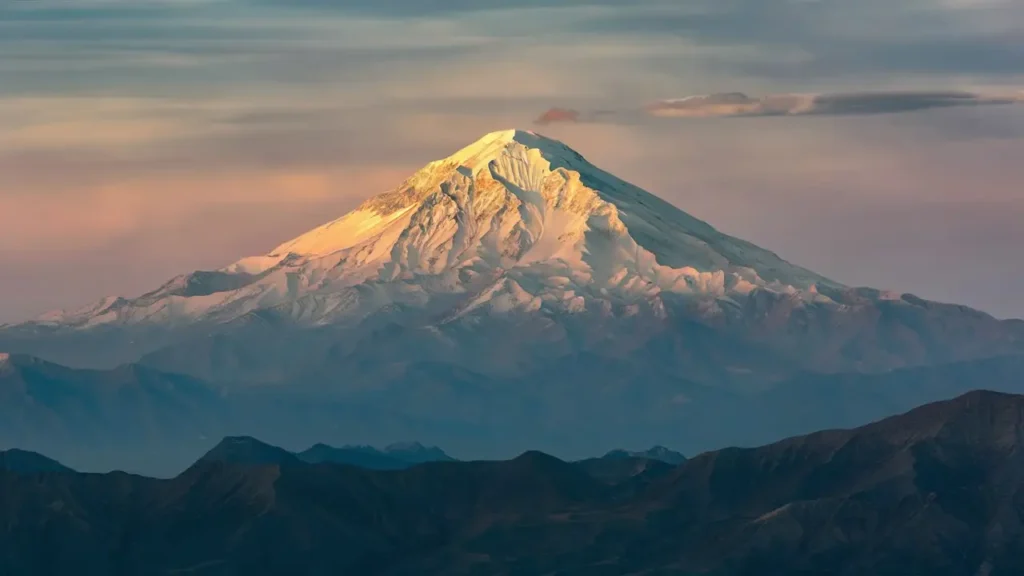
(659, 453)
(143, 420)
(416, 453)
(393, 457)
(131, 416)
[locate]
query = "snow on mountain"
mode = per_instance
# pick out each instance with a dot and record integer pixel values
(514, 221)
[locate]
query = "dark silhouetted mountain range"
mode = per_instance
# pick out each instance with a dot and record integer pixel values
(937, 491)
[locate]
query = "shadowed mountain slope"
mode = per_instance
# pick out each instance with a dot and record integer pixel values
(22, 461)
(936, 491)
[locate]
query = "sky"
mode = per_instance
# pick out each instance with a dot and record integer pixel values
(140, 139)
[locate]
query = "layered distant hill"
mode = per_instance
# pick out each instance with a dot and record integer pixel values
(392, 457)
(130, 416)
(248, 450)
(512, 295)
(936, 491)
(659, 453)
(143, 420)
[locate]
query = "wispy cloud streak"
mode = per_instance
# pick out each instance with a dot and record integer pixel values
(736, 104)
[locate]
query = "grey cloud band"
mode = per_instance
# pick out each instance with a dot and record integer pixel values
(736, 104)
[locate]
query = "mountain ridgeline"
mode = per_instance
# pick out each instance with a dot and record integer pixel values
(142, 420)
(250, 451)
(936, 491)
(508, 297)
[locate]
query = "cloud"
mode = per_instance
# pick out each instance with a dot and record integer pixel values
(434, 8)
(844, 103)
(815, 39)
(890, 102)
(737, 104)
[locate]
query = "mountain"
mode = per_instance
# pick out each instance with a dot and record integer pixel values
(249, 451)
(659, 453)
(622, 467)
(508, 297)
(144, 420)
(416, 453)
(359, 456)
(511, 254)
(25, 462)
(626, 473)
(95, 419)
(393, 457)
(514, 221)
(935, 491)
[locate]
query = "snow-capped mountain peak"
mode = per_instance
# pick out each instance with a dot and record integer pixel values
(514, 221)
(378, 213)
